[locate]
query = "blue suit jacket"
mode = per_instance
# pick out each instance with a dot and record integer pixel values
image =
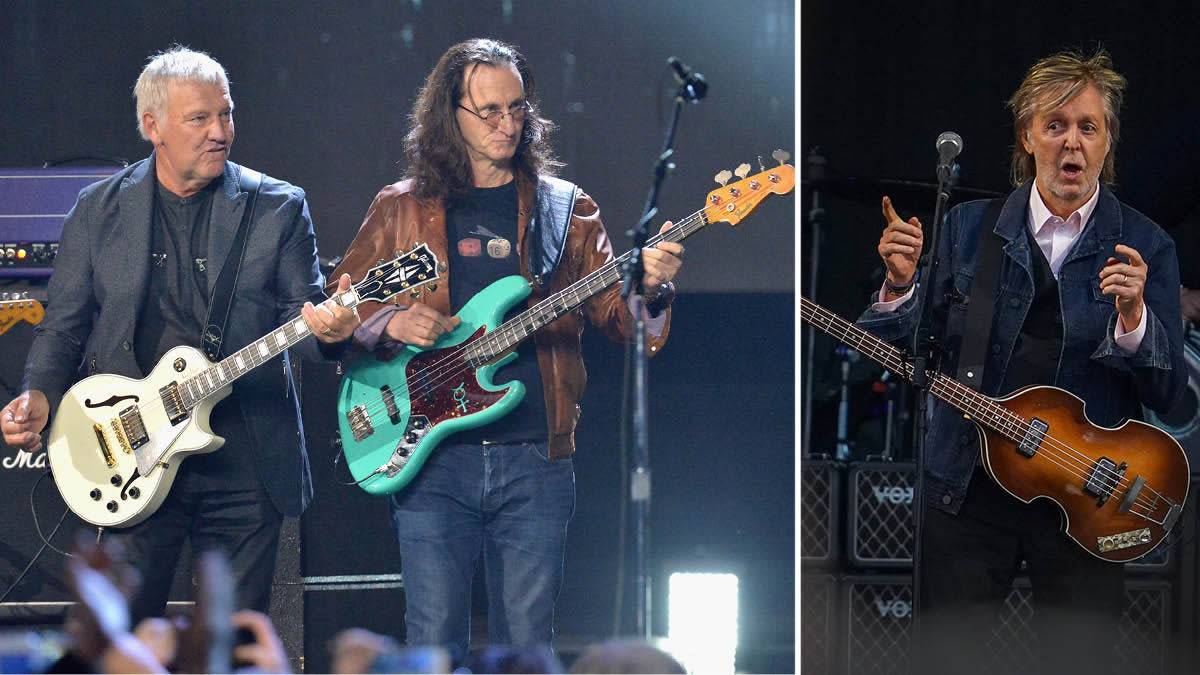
(99, 285)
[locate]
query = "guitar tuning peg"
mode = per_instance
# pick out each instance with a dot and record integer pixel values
(723, 177)
(742, 171)
(761, 168)
(781, 156)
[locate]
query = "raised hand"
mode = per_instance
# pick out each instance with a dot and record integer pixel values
(900, 245)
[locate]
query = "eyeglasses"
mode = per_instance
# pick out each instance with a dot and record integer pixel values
(495, 117)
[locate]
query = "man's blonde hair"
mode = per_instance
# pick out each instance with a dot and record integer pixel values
(178, 64)
(1049, 84)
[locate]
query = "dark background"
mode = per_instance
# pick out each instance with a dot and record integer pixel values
(323, 90)
(322, 94)
(882, 81)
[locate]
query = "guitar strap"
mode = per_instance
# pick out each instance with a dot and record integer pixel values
(981, 300)
(546, 236)
(222, 293)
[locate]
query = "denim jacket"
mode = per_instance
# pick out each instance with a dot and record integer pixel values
(1113, 383)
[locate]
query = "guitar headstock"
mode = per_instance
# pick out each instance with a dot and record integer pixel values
(731, 203)
(399, 275)
(26, 309)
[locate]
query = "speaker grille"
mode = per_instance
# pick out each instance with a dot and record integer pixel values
(881, 514)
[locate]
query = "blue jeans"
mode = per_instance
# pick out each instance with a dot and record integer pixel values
(506, 501)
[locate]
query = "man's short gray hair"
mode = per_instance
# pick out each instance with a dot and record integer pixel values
(175, 64)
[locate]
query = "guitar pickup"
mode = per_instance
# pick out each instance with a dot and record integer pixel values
(135, 429)
(176, 411)
(1033, 437)
(1102, 479)
(360, 422)
(389, 401)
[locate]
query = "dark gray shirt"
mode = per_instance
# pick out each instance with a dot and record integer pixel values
(173, 314)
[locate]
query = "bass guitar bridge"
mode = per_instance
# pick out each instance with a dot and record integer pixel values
(417, 427)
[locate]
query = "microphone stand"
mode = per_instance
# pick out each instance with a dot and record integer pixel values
(926, 353)
(816, 174)
(632, 291)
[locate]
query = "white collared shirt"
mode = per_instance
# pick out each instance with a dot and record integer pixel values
(1054, 235)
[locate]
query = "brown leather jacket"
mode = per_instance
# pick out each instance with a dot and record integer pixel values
(396, 222)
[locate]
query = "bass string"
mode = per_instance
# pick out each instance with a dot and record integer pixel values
(423, 385)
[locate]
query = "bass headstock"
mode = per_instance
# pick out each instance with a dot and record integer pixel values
(20, 309)
(731, 203)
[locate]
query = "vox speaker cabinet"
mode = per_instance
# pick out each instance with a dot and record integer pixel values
(818, 621)
(820, 512)
(880, 529)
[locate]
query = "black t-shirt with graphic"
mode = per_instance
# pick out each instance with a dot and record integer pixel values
(482, 239)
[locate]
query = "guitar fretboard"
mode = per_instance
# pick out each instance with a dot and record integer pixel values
(981, 408)
(196, 388)
(520, 327)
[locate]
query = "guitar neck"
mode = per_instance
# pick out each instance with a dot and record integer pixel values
(196, 388)
(979, 407)
(516, 330)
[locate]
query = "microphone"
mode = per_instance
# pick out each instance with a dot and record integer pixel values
(949, 144)
(693, 86)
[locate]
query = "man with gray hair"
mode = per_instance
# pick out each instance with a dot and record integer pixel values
(137, 269)
(1087, 301)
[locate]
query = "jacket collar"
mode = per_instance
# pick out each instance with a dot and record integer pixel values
(1105, 222)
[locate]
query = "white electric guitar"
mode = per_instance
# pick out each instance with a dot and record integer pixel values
(116, 443)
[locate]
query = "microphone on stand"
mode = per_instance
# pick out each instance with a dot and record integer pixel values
(948, 145)
(692, 85)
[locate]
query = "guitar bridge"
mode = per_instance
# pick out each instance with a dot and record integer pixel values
(360, 422)
(135, 429)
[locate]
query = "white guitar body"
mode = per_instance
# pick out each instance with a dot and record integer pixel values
(100, 480)
(116, 443)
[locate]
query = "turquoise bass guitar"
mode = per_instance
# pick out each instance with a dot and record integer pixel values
(394, 409)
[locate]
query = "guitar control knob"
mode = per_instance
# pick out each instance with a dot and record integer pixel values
(115, 480)
(95, 494)
(112, 506)
(410, 437)
(134, 493)
(418, 424)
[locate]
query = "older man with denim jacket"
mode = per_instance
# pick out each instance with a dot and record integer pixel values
(1088, 301)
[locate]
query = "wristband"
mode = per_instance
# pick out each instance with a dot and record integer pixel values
(898, 290)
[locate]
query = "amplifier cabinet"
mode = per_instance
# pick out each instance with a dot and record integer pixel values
(818, 622)
(875, 628)
(820, 512)
(880, 514)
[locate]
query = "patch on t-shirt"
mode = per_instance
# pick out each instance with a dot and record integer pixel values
(470, 248)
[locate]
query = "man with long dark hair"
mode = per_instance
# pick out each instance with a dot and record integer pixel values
(475, 191)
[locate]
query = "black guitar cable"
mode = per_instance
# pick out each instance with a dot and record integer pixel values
(45, 541)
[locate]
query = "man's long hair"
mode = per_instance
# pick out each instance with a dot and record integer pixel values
(1053, 81)
(438, 162)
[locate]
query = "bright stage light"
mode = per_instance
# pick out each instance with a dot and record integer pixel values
(702, 630)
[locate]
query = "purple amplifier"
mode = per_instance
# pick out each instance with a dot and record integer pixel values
(33, 205)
